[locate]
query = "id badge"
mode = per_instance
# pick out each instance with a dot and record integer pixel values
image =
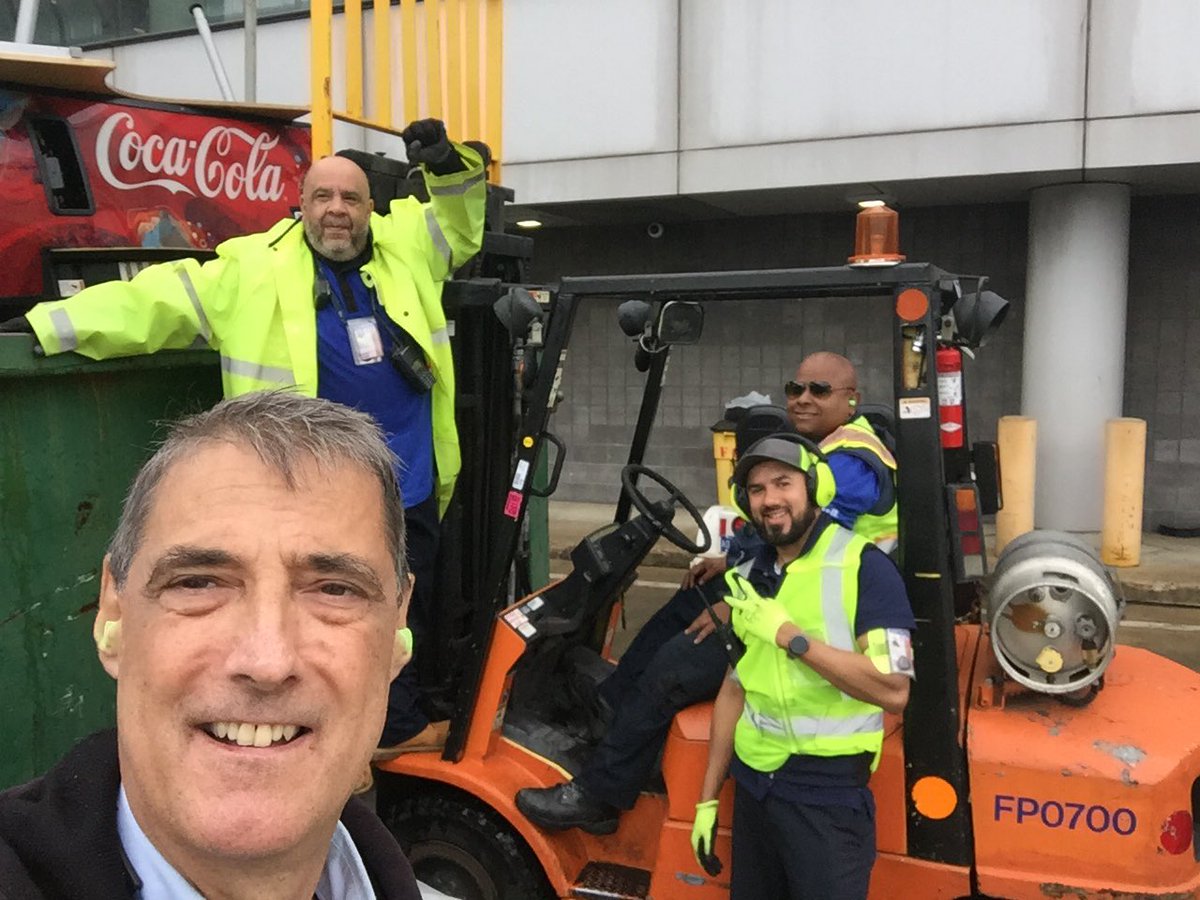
(365, 343)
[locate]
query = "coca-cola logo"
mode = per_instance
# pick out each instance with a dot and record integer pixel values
(226, 161)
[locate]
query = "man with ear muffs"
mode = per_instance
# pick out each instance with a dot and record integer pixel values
(798, 721)
(673, 662)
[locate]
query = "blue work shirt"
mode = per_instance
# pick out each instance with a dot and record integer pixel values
(377, 389)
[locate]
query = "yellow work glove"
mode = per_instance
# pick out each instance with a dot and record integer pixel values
(760, 618)
(704, 835)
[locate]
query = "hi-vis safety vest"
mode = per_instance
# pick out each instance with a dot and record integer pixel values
(880, 525)
(254, 304)
(789, 708)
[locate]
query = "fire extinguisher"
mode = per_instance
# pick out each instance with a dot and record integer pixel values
(950, 395)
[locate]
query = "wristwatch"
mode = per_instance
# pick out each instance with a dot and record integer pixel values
(797, 646)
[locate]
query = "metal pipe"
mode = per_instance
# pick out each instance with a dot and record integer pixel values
(26, 21)
(250, 46)
(210, 48)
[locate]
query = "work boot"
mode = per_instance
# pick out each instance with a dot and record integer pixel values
(430, 738)
(567, 805)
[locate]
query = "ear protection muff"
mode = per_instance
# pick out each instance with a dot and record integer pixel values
(402, 646)
(808, 459)
(109, 637)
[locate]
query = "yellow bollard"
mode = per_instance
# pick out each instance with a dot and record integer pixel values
(1124, 480)
(1017, 437)
(723, 449)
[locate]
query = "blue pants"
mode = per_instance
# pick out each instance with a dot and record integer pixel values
(662, 672)
(793, 851)
(404, 715)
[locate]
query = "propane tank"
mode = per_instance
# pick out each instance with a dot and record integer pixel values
(1053, 611)
(949, 362)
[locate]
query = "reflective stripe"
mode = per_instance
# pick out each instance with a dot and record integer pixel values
(852, 435)
(64, 330)
(813, 726)
(273, 374)
(435, 235)
(441, 336)
(837, 624)
(452, 189)
(205, 328)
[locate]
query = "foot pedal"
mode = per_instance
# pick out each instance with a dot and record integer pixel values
(608, 881)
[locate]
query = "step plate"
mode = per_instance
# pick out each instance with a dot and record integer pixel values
(608, 881)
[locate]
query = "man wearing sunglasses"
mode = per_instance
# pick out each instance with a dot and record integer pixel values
(671, 663)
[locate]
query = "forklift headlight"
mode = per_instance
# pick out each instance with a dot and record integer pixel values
(977, 315)
(633, 316)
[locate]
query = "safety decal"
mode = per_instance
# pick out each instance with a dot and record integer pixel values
(915, 408)
(512, 505)
(1064, 814)
(520, 475)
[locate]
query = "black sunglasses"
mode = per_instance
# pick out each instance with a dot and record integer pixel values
(818, 388)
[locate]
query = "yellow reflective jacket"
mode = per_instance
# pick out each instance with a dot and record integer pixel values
(254, 304)
(789, 708)
(879, 525)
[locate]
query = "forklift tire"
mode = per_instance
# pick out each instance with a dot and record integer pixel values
(462, 847)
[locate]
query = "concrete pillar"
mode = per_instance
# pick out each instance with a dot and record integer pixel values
(1074, 364)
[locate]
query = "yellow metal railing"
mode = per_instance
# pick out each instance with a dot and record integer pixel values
(449, 63)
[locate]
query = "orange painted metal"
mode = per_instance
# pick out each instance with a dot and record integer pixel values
(1078, 796)
(896, 876)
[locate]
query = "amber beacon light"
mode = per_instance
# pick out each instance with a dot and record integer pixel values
(876, 236)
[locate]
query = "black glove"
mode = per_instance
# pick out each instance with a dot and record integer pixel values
(19, 325)
(426, 144)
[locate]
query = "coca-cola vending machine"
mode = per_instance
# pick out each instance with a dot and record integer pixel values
(95, 187)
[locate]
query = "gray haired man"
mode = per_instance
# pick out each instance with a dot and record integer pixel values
(252, 610)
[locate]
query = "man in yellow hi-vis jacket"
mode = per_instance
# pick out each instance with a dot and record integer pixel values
(799, 721)
(345, 307)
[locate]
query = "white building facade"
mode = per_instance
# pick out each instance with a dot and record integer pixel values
(1054, 146)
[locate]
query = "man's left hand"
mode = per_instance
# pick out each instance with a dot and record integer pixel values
(760, 618)
(426, 143)
(703, 625)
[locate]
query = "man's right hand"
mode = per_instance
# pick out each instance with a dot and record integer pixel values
(704, 836)
(708, 568)
(702, 626)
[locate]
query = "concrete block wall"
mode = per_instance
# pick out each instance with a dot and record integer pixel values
(1162, 353)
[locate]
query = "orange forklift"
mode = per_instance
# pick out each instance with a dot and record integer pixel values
(1033, 760)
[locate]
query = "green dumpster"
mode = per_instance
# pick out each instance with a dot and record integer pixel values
(73, 433)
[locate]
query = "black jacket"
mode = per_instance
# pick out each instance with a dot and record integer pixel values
(58, 834)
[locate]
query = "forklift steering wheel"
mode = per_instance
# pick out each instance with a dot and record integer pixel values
(661, 513)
